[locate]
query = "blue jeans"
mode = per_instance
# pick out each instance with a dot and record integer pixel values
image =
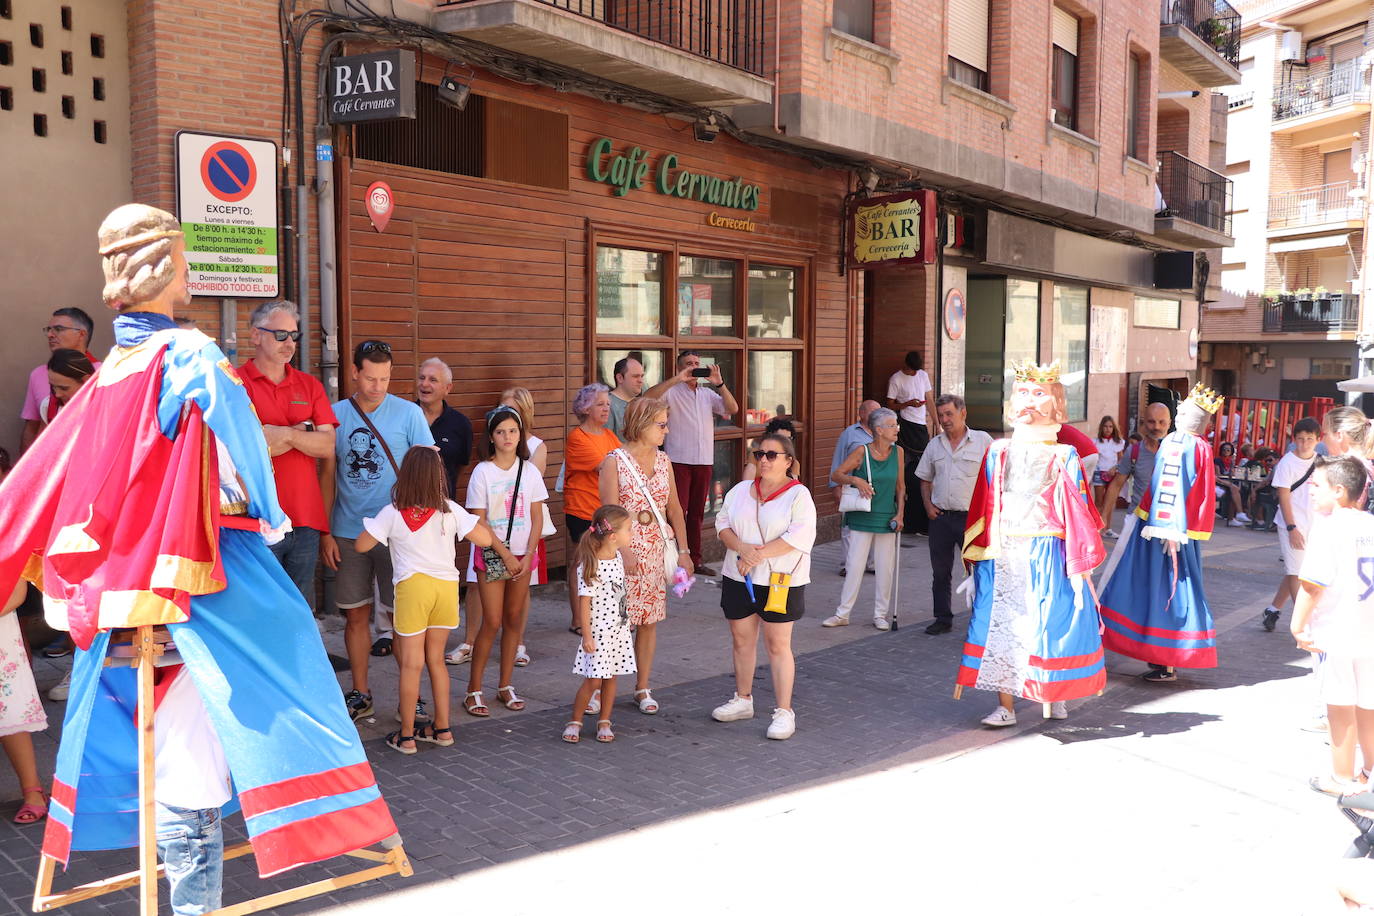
(298, 553)
(191, 846)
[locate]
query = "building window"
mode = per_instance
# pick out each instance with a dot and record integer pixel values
(968, 42)
(735, 312)
(1069, 345)
(1137, 109)
(1064, 69)
(1157, 313)
(854, 17)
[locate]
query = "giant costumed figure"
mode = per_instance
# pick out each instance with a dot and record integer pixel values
(1153, 605)
(149, 502)
(1031, 542)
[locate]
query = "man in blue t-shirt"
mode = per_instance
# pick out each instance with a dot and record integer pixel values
(375, 431)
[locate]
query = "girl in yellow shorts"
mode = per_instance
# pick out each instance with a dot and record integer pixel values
(422, 526)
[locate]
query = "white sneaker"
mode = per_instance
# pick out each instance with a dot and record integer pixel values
(59, 691)
(835, 620)
(1235, 523)
(1109, 535)
(736, 709)
(1000, 717)
(1242, 518)
(459, 656)
(881, 623)
(1059, 710)
(784, 724)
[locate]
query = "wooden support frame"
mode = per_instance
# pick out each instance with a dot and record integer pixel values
(147, 647)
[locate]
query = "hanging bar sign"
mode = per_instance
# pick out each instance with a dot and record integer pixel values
(372, 87)
(891, 230)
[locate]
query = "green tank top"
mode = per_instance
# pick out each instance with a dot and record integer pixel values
(884, 502)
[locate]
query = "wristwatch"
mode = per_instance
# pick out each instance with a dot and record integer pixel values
(1289, 527)
(309, 426)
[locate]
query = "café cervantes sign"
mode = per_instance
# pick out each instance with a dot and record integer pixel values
(631, 169)
(372, 87)
(891, 230)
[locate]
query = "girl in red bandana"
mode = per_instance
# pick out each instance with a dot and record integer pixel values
(421, 526)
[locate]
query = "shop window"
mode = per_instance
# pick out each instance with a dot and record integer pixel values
(855, 17)
(968, 42)
(772, 301)
(1003, 329)
(1069, 345)
(629, 291)
(731, 312)
(655, 364)
(1157, 313)
(1064, 69)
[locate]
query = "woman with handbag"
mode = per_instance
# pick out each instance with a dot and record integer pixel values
(507, 493)
(768, 527)
(872, 498)
(584, 451)
(639, 478)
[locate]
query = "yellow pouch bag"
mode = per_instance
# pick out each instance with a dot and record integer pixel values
(779, 583)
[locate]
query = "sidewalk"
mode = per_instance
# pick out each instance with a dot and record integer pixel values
(1189, 797)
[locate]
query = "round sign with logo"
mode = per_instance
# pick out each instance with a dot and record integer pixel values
(380, 204)
(956, 312)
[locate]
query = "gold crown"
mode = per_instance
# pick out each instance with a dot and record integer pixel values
(1205, 398)
(1031, 372)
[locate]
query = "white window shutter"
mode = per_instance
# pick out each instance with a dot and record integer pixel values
(1064, 31)
(968, 32)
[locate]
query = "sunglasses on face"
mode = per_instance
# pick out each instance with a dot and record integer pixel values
(281, 336)
(57, 329)
(760, 454)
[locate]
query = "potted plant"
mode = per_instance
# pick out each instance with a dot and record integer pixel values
(1304, 294)
(1323, 300)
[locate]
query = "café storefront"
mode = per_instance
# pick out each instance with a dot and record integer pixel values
(536, 237)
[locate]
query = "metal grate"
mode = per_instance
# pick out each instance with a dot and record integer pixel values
(1216, 22)
(1194, 192)
(440, 137)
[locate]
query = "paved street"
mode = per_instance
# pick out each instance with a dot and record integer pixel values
(1189, 798)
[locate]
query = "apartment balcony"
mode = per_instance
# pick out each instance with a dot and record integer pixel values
(1316, 109)
(1202, 39)
(1197, 204)
(707, 52)
(1336, 315)
(1321, 208)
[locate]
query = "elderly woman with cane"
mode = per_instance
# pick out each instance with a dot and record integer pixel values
(872, 472)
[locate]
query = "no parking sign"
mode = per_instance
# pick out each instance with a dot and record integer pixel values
(227, 204)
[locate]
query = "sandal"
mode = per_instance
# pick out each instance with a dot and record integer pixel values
(576, 631)
(472, 703)
(572, 732)
(28, 812)
(431, 735)
(1330, 785)
(459, 656)
(647, 704)
(513, 702)
(603, 731)
(395, 739)
(382, 647)
(522, 658)
(594, 704)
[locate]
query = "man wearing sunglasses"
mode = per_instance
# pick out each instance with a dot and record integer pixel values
(298, 424)
(68, 329)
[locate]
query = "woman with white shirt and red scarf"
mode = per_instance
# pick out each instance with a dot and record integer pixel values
(768, 527)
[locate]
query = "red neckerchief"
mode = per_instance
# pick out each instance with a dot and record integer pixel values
(758, 490)
(415, 518)
(54, 405)
(91, 357)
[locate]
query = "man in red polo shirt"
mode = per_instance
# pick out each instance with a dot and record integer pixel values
(299, 426)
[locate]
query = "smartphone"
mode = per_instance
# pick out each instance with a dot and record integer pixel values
(701, 372)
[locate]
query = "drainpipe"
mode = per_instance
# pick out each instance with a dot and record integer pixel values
(777, 63)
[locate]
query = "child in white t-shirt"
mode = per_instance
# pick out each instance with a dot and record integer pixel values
(1334, 615)
(422, 526)
(1290, 482)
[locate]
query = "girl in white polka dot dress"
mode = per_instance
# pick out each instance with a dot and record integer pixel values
(607, 648)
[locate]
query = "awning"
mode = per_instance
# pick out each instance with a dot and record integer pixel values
(1360, 385)
(1312, 244)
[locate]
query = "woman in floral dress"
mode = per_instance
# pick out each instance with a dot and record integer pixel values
(20, 711)
(626, 474)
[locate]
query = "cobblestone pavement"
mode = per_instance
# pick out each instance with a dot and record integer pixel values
(1190, 797)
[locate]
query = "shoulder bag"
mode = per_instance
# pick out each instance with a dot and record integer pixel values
(386, 448)
(670, 547)
(489, 561)
(779, 583)
(851, 500)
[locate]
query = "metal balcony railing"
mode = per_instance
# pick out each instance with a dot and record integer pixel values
(1324, 203)
(1194, 192)
(726, 31)
(1318, 313)
(1214, 21)
(1345, 84)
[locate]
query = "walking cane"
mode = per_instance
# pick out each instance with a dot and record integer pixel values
(896, 576)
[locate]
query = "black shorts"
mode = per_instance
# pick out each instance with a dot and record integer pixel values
(734, 601)
(576, 526)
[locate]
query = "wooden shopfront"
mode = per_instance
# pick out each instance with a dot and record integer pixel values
(539, 236)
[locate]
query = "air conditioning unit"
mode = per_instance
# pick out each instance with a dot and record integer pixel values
(1290, 46)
